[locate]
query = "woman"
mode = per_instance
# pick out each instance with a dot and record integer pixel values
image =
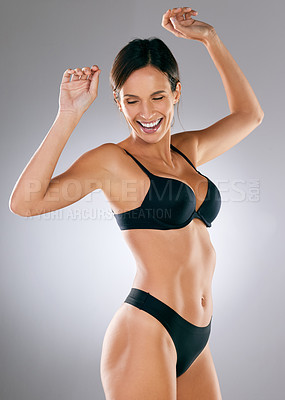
(157, 344)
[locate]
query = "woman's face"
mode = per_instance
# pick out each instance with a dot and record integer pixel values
(147, 103)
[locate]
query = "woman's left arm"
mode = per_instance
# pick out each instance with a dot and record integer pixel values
(246, 113)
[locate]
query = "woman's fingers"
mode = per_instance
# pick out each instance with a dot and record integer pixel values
(94, 83)
(166, 23)
(182, 10)
(66, 75)
(79, 74)
(86, 71)
(181, 14)
(94, 67)
(186, 14)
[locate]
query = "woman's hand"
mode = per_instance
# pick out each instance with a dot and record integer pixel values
(77, 94)
(179, 21)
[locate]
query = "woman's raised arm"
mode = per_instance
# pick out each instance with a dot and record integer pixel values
(35, 192)
(245, 111)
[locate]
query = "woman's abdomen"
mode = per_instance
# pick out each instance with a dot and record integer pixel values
(178, 272)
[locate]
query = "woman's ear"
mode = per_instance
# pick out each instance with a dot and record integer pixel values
(116, 100)
(177, 93)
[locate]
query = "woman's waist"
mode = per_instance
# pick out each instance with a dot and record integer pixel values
(190, 297)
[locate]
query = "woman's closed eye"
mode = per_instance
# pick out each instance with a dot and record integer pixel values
(155, 98)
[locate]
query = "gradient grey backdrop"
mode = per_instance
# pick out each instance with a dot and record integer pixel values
(64, 274)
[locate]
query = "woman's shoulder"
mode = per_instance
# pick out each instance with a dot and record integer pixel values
(109, 155)
(108, 150)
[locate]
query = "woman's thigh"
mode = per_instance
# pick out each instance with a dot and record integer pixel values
(200, 381)
(138, 359)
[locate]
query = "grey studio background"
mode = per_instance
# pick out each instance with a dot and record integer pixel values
(64, 274)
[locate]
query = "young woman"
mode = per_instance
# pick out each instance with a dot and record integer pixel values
(157, 344)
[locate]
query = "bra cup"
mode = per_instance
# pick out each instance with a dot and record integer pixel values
(171, 201)
(212, 203)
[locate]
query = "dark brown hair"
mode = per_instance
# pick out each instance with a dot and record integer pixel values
(140, 53)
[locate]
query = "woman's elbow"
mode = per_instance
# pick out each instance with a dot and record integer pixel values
(260, 117)
(256, 117)
(15, 209)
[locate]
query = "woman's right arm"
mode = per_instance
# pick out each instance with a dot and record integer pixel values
(35, 191)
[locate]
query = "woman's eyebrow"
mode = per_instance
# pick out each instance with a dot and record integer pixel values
(157, 92)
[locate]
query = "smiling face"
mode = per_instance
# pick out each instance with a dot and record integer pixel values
(147, 103)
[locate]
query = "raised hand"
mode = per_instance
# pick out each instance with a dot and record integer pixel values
(179, 21)
(77, 94)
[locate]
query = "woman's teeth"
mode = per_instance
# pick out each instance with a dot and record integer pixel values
(150, 125)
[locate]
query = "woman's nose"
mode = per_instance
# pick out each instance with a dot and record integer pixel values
(147, 111)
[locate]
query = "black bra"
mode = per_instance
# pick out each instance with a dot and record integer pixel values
(170, 203)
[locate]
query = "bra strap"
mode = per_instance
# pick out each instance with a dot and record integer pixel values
(183, 155)
(139, 164)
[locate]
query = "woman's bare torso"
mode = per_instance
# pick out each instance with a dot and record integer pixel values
(175, 265)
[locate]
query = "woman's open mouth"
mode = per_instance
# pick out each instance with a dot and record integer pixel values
(150, 127)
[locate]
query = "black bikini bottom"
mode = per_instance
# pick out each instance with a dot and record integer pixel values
(189, 339)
